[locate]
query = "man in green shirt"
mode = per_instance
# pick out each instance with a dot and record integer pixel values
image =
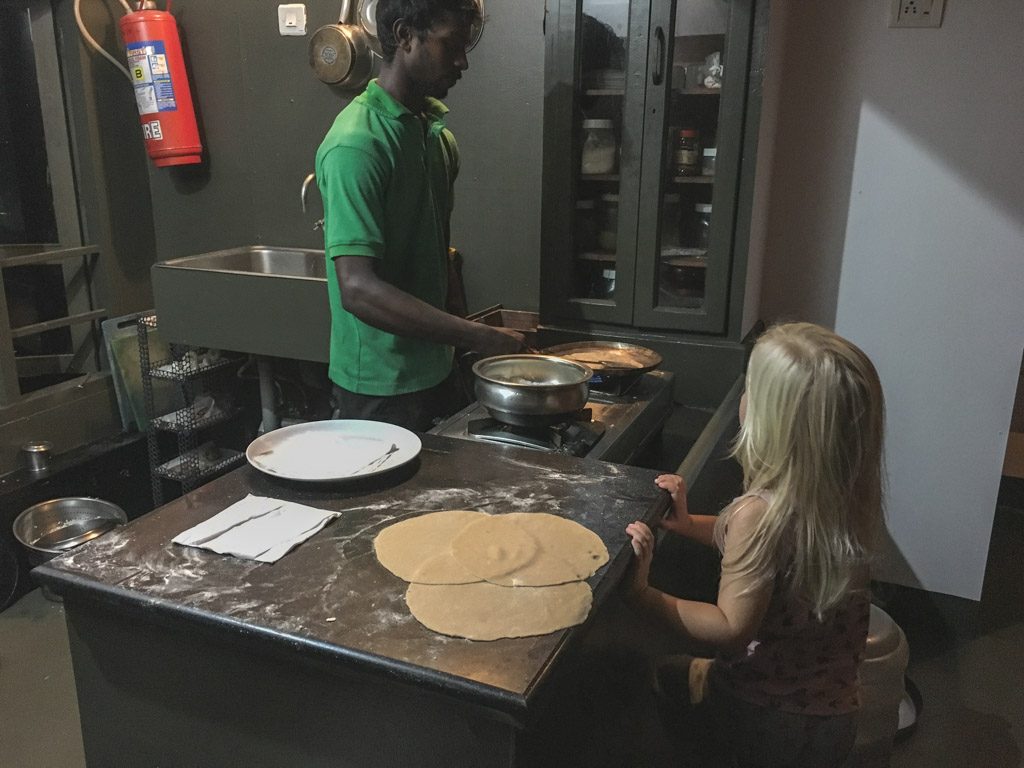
(385, 170)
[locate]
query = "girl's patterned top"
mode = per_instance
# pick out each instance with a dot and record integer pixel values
(798, 663)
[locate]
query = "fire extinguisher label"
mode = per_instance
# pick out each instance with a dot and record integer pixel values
(154, 91)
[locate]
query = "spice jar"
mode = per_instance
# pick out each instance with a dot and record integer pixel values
(599, 148)
(686, 155)
(707, 167)
(670, 221)
(585, 229)
(608, 234)
(702, 224)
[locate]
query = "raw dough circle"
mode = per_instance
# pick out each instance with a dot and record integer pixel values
(493, 549)
(419, 549)
(485, 611)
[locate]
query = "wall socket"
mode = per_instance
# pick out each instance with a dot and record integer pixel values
(916, 13)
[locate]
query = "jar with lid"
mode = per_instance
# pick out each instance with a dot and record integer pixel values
(707, 167)
(608, 233)
(585, 226)
(599, 148)
(686, 154)
(670, 222)
(702, 224)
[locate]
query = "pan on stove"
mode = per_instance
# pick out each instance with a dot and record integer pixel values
(531, 390)
(608, 358)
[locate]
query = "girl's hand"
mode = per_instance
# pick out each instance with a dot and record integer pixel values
(642, 541)
(678, 519)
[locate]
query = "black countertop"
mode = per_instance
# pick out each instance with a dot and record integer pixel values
(329, 599)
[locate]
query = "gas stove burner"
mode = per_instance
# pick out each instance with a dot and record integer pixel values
(575, 438)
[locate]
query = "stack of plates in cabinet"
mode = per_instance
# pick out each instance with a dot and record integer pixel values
(605, 79)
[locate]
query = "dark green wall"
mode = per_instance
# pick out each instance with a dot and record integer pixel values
(263, 114)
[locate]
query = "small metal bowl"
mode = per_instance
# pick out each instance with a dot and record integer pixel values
(53, 527)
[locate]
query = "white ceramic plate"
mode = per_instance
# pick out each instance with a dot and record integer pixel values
(333, 450)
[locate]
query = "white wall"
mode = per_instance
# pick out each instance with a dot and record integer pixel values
(896, 215)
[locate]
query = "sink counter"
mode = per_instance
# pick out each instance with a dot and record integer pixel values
(255, 299)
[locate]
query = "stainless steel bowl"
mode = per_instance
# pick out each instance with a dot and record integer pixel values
(530, 390)
(52, 527)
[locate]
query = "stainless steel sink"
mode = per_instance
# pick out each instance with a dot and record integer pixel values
(258, 299)
(258, 259)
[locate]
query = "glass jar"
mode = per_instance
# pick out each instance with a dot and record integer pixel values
(585, 229)
(707, 167)
(686, 154)
(608, 233)
(702, 224)
(599, 148)
(670, 222)
(604, 284)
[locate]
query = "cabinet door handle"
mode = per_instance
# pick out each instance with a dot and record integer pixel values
(659, 56)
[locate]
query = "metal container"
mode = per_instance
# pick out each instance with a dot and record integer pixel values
(52, 527)
(531, 390)
(37, 455)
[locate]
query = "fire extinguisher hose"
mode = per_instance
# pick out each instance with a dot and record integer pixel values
(92, 42)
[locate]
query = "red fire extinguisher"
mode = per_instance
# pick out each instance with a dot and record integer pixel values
(157, 69)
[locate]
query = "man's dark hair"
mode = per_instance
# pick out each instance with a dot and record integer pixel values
(420, 15)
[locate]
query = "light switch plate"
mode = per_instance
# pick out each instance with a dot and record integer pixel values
(291, 19)
(916, 13)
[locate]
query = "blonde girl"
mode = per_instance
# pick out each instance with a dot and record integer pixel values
(791, 618)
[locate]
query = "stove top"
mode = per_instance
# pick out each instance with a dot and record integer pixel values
(575, 437)
(624, 418)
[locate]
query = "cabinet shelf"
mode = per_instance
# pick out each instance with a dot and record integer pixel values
(599, 177)
(698, 90)
(686, 261)
(693, 179)
(604, 91)
(596, 256)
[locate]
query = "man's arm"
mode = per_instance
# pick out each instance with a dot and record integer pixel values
(381, 305)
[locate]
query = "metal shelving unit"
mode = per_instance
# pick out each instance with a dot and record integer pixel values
(191, 370)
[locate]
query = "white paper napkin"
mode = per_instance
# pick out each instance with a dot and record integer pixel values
(257, 528)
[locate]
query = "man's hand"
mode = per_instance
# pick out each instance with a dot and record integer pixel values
(678, 519)
(498, 341)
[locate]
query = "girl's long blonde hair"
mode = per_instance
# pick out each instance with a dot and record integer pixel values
(812, 441)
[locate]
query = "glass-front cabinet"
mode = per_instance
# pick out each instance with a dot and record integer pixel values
(645, 113)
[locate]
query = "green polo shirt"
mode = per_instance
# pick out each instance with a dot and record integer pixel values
(383, 177)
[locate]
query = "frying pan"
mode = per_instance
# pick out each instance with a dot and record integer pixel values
(608, 358)
(341, 54)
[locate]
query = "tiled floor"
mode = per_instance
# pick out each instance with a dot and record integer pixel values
(970, 674)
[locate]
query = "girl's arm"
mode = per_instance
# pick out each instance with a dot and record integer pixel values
(679, 520)
(733, 621)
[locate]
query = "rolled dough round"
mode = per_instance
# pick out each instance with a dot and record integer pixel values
(485, 611)
(419, 549)
(564, 550)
